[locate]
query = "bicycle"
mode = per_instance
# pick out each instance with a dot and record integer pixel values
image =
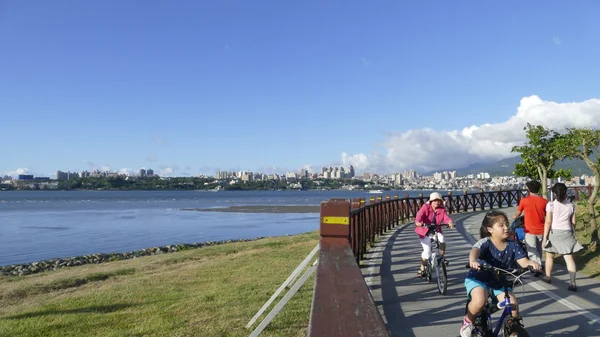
(436, 261)
(483, 322)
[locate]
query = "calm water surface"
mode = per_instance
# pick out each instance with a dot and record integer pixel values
(39, 225)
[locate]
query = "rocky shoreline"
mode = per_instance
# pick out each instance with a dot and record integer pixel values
(54, 264)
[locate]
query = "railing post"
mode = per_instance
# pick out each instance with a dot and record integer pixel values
(334, 219)
(482, 199)
(355, 203)
(342, 304)
(387, 210)
(500, 197)
(451, 206)
(396, 208)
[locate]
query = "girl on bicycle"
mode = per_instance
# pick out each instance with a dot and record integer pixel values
(497, 251)
(431, 212)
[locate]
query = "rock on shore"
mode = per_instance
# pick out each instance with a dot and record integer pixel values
(54, 264)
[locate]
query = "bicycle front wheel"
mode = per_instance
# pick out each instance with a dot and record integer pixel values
(442, 277)
(514, 331)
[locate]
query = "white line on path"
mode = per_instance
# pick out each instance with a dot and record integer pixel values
(593, 318)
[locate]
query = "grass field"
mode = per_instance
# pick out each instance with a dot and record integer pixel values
(212, 291)
(588, 262)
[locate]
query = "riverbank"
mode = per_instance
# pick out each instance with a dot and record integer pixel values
(259, 209)
(54, 264)
(213, 291)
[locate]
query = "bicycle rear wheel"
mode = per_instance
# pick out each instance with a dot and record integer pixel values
(442, 277)
(429, 270)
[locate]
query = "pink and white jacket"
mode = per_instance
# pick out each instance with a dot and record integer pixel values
(426, 215)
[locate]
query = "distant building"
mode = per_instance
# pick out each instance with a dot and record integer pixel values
(25, 177)
(60, 175)
(337, 172)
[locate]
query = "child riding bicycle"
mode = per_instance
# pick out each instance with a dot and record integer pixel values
(432, 212)
(497, 251)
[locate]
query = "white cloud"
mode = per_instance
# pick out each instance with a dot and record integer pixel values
(102, 168)
(557, 41)
(15, 173)
(158, 140)
(428, 149)
(167, 171)
(273, 170)
(127, 171)
(310, 168)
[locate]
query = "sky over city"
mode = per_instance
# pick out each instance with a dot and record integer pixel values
(191, 87)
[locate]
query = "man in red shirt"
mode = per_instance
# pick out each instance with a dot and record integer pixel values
(534, 207)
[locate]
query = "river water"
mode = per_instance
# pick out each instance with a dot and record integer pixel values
(39, 225)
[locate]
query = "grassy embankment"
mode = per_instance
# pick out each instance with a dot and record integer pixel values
(211, 291)
(588, 262)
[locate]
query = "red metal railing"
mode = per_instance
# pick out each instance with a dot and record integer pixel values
(368, 221)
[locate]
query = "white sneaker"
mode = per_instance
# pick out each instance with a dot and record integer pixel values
(466, 330)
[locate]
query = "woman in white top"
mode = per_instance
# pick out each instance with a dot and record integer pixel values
(559, 236)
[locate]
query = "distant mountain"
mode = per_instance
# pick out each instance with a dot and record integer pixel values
(505, 167)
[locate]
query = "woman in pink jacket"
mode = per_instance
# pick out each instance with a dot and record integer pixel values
(432, 212)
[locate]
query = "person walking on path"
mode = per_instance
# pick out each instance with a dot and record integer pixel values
(534, 207)
(559, 234)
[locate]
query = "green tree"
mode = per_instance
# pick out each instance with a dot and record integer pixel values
(581, 143)
(539, 156)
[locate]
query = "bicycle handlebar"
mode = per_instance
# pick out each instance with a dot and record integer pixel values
(485, 266)
(434, 226)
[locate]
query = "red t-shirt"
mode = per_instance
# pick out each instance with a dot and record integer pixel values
(535, 213)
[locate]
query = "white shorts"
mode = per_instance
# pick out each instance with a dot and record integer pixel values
(426, 244)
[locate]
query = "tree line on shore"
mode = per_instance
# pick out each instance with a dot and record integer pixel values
(194, 183)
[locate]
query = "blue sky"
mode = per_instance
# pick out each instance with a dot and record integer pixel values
(195, 86)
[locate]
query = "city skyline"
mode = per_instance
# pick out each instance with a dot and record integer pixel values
(327, 172)
(277, 87)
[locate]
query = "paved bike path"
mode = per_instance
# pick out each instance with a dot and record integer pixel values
(413, 307)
